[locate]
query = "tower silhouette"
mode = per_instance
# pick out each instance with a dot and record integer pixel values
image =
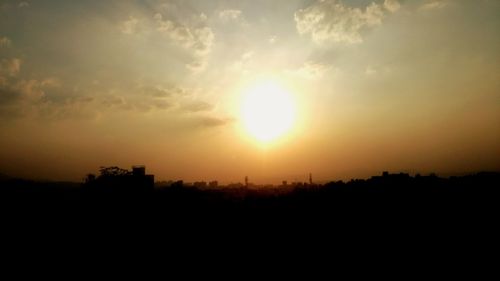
(310, 179)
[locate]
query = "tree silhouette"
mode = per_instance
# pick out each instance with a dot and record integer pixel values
(113, 171)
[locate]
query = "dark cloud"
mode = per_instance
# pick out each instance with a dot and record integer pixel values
(162, 104)
(158, 91)
(197, 106)
(113, 101)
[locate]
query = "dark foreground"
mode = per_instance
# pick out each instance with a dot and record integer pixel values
(411, 215)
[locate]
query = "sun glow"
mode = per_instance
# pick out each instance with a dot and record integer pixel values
(268, 111)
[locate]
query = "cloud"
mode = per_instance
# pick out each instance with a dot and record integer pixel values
(51, 82)
(162, 104)
(129, 26)
(10, 67)
(228, 15)
(14, 90)
(39, 98)
(197, 39)
(31, 90)
(24, 5)
(312, 70)
(243, 62)
(172, 96)
(197, 65)
(392, 5)
(24, 93)
(197, 106)
(433, 5)
(140, 103)
(144, 98)
(333, 21)
(158, 91)
(113, 100)
(5, 42)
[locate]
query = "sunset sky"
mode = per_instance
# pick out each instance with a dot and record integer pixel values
(348, 88)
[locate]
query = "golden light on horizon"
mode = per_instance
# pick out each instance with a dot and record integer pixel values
(267, 111)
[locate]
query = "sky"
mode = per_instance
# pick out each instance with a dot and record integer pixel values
(404, 86)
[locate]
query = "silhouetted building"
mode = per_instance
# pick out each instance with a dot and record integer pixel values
(116, 179)
(139, 170)
(391, 179)
(213, 184)
(177, 184)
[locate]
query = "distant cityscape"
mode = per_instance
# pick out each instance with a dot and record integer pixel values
(116, 188)
(137, 179)
(115, 177)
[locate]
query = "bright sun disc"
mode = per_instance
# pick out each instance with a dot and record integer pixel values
(267, 111)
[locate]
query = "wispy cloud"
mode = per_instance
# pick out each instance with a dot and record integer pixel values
(243, 62)
(392, 5)
(229, 14)
(197, 39)
(433, 5)
(312, 70)
(197, 106)
(129, 26)
(333, 21)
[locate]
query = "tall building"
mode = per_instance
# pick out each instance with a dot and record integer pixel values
(139, 170)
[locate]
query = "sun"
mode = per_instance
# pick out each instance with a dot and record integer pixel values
(268, 111)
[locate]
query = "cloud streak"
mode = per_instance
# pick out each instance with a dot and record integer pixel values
(197, 106)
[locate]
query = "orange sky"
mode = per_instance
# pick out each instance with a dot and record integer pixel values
(377, 85)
